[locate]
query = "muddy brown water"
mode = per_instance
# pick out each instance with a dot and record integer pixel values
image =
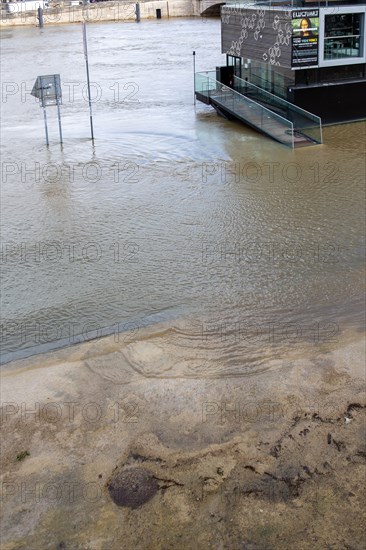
(174, 214)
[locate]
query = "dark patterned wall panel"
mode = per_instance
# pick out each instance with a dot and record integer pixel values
(264, 35)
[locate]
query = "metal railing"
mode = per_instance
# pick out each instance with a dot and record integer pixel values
(304, 122)
(244, 108)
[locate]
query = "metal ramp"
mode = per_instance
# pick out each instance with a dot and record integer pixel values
(271, 115)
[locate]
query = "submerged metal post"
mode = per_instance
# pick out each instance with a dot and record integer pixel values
(44, 115)
(58, 95)
(194, 77)
(40, 17)
(45, 125)
(88, 80)
(59, 120)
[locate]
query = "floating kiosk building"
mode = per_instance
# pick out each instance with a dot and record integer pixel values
(289, 67)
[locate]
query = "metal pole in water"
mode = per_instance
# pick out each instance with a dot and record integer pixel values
(88, 79)
(44, 114)
(40, 17)
(138, 13)
(59, 120)
(58, 93)
(45, 125)
(194, 77)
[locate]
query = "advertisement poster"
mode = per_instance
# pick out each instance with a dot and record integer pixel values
(305, 31)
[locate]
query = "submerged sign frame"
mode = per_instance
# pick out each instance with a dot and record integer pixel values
(47, 88)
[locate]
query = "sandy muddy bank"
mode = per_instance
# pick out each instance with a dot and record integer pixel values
(239, 462)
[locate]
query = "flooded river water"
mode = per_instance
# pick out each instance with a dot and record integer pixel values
(237, 242)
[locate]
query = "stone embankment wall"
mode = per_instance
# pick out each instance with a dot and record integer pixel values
(66, 13)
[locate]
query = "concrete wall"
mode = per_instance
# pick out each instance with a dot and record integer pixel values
(65, 13)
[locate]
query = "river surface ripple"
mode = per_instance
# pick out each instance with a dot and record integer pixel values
(174, 214)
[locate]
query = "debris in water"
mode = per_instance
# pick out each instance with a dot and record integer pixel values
(21, 456)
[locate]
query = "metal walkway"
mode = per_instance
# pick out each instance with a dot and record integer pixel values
(260, 109)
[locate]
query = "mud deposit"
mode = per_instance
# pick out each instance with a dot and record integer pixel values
(270, 461)
(132, 487)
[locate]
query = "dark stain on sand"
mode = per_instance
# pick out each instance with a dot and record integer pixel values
(132, 487)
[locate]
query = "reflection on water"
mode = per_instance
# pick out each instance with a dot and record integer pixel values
(175, 214)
